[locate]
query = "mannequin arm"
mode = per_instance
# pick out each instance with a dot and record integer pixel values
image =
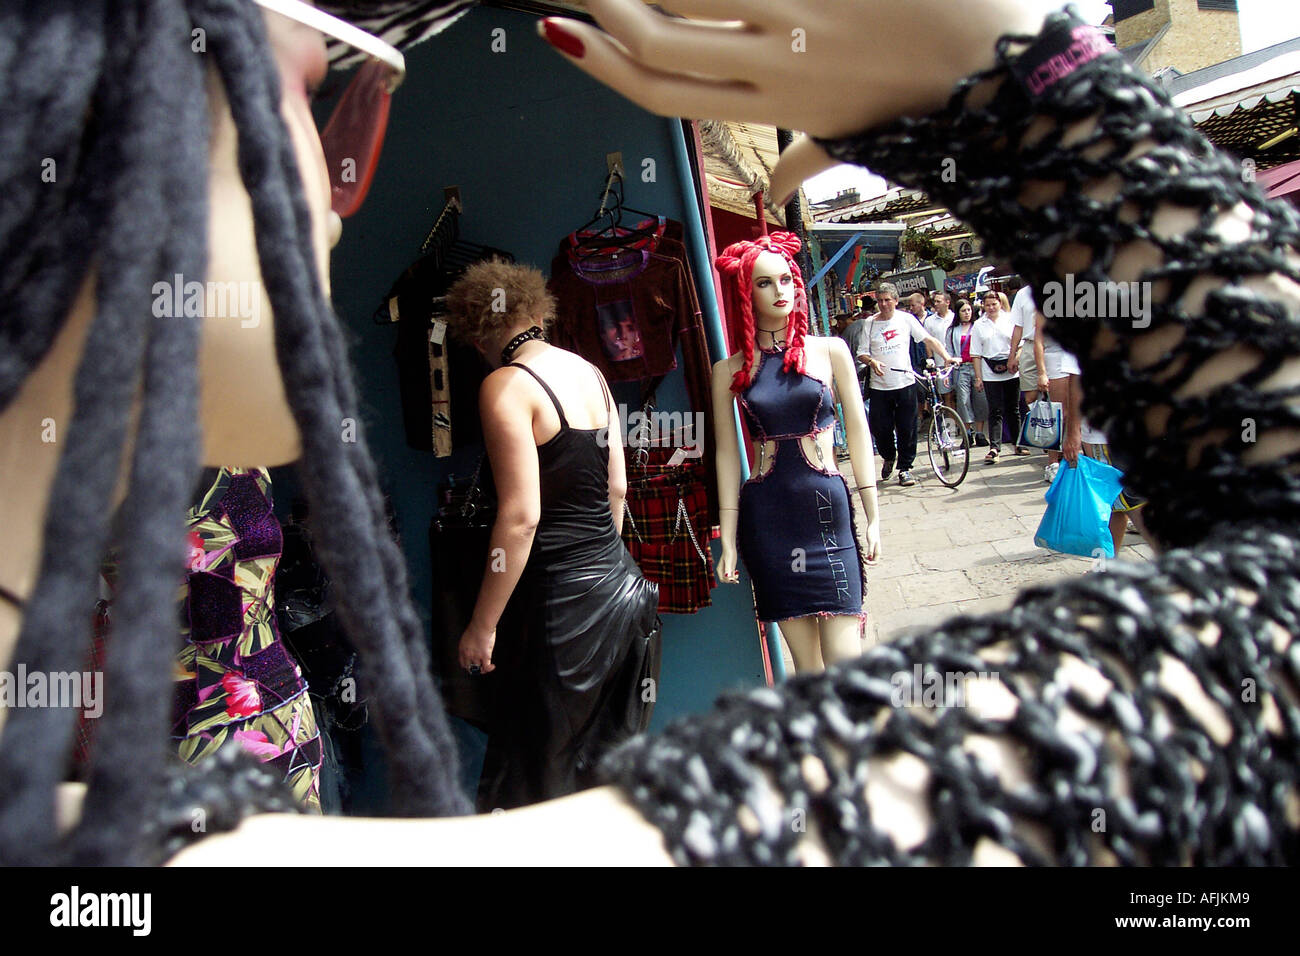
(597, 827)
(861, 456)
(727, 461)
(696, 69)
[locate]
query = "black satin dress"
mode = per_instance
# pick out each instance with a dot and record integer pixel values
(573, 685)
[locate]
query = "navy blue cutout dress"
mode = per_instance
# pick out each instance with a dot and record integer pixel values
(796, 529)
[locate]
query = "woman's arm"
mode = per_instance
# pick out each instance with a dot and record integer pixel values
(617, 461)
(506, 408)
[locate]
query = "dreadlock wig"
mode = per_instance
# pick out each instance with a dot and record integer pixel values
(736, 266)
(125, 120)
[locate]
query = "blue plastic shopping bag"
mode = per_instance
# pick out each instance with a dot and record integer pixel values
(1077, 519)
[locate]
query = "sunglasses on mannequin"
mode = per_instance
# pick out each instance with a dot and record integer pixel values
(354, 134)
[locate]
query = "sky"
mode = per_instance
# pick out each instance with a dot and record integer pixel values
(1263, 23)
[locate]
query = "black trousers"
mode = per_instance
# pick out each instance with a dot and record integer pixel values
(1004, 402)
(893, 413)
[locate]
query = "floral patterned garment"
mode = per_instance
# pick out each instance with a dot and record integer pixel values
(236, 683)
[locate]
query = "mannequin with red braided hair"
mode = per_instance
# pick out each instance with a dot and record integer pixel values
(792, 522)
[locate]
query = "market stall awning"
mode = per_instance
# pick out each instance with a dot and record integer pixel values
(1252, 113)
(1280, 180)
(738, 160)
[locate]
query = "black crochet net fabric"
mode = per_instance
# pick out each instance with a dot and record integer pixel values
(210, 797)
(1153, 713)
(1117, 773)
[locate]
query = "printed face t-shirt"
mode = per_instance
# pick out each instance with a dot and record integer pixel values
(890, 345)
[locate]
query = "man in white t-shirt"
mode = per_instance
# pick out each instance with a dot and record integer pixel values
(1024, 356)
(886, 350)
(937, 322)
(990, 351)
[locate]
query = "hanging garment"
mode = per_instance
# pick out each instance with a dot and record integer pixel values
(580, 322)
(236, 683)
(796, 530)
(459, 544)
(438, 379)
(666, 528)
(575, 689)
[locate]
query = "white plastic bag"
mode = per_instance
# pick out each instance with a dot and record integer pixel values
(1042, 427)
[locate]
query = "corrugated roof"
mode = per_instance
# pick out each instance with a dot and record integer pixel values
(1271, 81)
(738, 160)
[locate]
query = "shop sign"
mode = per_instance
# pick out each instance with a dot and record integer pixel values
(962, 282)
(918, 280)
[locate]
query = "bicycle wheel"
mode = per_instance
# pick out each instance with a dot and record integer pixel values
(949, 447)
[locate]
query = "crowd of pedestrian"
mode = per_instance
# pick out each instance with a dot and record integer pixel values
(998, 362)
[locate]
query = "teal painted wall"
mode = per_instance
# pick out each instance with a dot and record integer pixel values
(524, 136)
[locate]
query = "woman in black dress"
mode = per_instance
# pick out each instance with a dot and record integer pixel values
(572, 686)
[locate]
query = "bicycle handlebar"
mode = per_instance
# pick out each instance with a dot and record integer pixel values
(945, 373)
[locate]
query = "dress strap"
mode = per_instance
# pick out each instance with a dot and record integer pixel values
(564, 422)
(609, 399)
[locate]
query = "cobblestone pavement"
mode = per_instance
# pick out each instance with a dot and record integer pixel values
(963, 550)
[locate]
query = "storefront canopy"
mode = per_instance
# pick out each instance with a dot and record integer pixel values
(1281, 180)
(1252, 113)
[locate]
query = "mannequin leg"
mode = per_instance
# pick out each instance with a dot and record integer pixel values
(841, 638)
(802, 637)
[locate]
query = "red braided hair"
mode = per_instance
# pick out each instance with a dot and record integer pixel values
(736, 267)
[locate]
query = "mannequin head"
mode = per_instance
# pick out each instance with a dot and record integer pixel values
(772, 288)
(496, 300)
(757, 274)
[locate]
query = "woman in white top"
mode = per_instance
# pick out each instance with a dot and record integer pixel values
(990, 350)
(970, 404)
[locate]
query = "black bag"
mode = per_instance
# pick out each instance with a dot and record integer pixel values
(998, 365)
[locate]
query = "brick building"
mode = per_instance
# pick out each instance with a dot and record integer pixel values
(1183, 34)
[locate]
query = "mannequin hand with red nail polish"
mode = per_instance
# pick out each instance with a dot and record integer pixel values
(830, 69)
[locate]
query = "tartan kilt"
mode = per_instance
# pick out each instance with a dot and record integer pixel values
(667, 531)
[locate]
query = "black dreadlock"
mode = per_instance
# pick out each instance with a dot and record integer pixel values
(125, 120)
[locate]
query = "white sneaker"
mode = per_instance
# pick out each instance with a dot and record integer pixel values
(1049, 471)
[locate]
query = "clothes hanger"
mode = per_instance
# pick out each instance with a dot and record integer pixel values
(623, 207)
